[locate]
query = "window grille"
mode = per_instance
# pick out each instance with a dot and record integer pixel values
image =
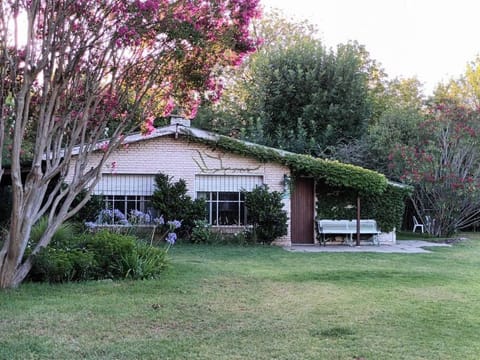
(140, 185)
(127, 193)
(227, 183)
(224, 199)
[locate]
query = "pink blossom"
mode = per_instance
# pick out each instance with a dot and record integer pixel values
(147, 126)
(168, 107)
(104, 146)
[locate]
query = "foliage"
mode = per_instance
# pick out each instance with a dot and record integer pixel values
(61, 237)
(310, 98)
(203, 233)
(265, 214)
(144, 262)
(397, 126)
(332, 172)
(100, 255)
(90, 210)
(238, 108)
(171, 200)
(107, 248)
(386, 208)
(444, 168)
(464, 91)
(138, 224)
(90, 69)
(295, 94)
(56, 264)
(404, 93)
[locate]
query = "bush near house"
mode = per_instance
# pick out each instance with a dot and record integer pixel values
(203, 233)
(171, 200)
(266, 215)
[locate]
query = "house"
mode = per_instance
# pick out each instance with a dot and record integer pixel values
(218, 168)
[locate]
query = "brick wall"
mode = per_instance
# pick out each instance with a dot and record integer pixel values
(184, 159)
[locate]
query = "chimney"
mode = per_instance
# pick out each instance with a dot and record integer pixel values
(178, 120)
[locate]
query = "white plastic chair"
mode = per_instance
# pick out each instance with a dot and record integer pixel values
(416, 225)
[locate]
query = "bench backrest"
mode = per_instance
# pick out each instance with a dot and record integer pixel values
(334, 226)
(367, 226)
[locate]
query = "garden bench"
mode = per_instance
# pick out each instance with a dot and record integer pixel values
(347, 228)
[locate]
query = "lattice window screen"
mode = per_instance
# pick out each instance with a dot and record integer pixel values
(227, 183)
(141, 185)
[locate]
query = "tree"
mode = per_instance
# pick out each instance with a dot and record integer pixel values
(310, 98)
(88, 65)
(398, 107)
(405, 93)
(239, 107)
(397, 126)
(463, 91)
(444, 168)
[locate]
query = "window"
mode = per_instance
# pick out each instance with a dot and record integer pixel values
(126, 203)
(224, 208)
(224, 199)
(126, 193)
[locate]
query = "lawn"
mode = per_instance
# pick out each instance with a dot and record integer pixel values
(258, 303)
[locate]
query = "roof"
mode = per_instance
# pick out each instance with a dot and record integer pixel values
(332, 172)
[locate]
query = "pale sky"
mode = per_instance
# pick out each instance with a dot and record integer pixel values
(430, 39)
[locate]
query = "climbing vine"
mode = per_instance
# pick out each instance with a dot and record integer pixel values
(333, 173)
(340, 203)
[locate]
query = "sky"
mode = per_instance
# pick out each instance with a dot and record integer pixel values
(432, 40)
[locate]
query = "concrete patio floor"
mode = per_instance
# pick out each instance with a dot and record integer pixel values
(402, 246)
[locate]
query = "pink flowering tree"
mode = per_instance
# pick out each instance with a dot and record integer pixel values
(444, 168)
(70, 69)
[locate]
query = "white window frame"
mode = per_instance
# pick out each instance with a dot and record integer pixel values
(225, 202)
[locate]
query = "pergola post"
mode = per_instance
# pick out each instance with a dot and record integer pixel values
(358, 220)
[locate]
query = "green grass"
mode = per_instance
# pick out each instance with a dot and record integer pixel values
(258, 303)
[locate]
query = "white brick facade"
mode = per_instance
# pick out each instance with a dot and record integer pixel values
(184, 159)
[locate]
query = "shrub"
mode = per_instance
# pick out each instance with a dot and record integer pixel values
(145, 262)
(170, 199)
(202, 233)
(60, 265)
(90, 210)
(61, 238)
(99, 256)
(266, 215)
(107, 248)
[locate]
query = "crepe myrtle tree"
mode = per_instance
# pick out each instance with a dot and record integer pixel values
(71, 69)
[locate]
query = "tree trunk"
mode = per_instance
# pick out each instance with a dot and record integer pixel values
(12, 275)
(12, 271)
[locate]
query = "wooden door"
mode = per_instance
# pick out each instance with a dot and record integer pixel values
(302, 216)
